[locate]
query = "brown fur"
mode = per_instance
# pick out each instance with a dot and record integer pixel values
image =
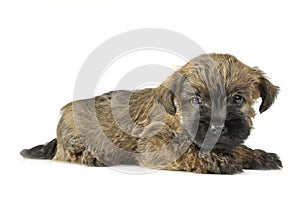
(151, 127)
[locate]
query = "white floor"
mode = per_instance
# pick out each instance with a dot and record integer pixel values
(36, 179)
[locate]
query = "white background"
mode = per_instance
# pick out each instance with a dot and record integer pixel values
(44, 43)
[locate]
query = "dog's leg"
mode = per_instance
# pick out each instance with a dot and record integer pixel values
(71, 149)
(255, 159)
(190, 161)
(69, 145)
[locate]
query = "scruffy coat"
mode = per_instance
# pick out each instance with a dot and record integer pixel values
(166, 127)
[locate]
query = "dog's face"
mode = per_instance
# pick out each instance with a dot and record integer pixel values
(213, 95)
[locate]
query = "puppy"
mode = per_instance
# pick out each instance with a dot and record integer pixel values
(196, 121)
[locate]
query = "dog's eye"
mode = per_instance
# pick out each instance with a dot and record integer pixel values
(237, 99)
(196, 100)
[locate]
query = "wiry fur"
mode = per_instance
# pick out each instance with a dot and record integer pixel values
(159, 128)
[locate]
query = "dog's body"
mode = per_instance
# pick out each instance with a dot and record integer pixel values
(203, 107)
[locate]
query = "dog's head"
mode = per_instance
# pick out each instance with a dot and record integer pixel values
(213, 95)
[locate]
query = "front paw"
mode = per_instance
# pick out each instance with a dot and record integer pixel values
(263, 160)
(220, 164)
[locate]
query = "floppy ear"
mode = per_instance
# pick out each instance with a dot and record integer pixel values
(268, 92)
(165, 97)
(167, 91)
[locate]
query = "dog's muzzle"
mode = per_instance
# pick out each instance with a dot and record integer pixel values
(216, 128)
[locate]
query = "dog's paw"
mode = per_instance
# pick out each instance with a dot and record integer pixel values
(263, 160)
(255, 159)
(230, 168)
(221, 164)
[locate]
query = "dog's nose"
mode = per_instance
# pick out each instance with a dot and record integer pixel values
(216, 128)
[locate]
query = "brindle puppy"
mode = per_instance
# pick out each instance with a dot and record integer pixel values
(196, 120)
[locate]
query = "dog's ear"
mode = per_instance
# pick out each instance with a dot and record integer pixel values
(266, 90)
(165, 98)
(168, 90)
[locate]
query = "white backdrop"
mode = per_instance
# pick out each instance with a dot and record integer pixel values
(43, 45)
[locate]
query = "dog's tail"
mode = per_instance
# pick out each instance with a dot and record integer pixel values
(46, 151)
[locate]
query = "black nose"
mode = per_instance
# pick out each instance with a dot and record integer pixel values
(216, 128)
